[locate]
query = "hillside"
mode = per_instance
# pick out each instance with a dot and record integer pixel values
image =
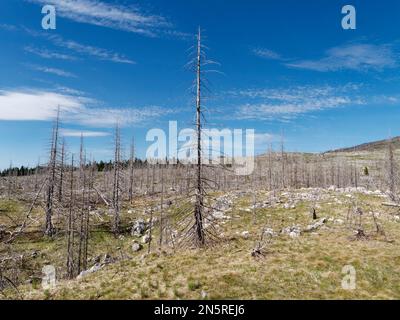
(380, 145)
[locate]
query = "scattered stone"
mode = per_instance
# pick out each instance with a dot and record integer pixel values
(219, 215)
(136, 247)
(245, 234)
(269, 232)
(289, 205)
(293, 231)
(93, 269)
(339, 221)
(138, 228)
(315, 226)
(204, 294)
(146, 239)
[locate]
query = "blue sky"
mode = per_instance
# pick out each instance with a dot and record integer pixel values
(284, 66)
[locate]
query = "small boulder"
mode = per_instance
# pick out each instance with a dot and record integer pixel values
(93, 269)
(138, 228)
(136, 247)
(269, 232)
(146, 239)
(245, 234)
(293, 231)
(315, 226)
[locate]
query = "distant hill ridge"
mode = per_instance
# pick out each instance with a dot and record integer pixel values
(371, 146)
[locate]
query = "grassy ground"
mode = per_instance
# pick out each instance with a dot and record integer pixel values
(307, 267)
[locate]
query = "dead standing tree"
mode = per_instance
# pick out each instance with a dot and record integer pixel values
(199, 204)
(62, 163)
(51, 181)
(71, 225)
(116, 196)
(131, 171)
(391, 172)
(198, 231)
(84, 210)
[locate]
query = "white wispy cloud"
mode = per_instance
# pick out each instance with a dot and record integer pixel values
(55, 71)
(39, 105)
(358, 57)
(83, 49)
(83, 133)
(267, 54)
(44, 53)
(69, 91)
(8, 27)
(108, 117)
(109, 15)
(288, 103)
(101, 54)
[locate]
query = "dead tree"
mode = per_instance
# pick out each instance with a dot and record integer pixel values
(162, 207)
(83, 209)
(150, 230)
(71, 227)
(391, 171)
(199, 202)
(283, 161)
(131, 171)
(52, 172)
(116, 180)
(62, 160)
(10, 181)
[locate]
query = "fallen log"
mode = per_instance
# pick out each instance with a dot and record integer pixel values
(393, 205)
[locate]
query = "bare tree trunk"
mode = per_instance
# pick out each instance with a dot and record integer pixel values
(151, 230)
(116, 182)
(199, 205)
(49, 230)
(82, 182)
(162, 207)
(70, 230)
(60, 185)
(283, 161)
(391, 172)
(131, 171)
